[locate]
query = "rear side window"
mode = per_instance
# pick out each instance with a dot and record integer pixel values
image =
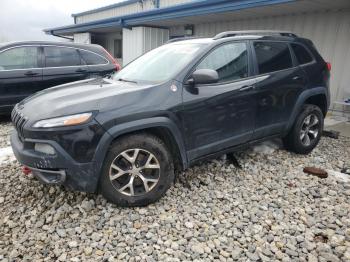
(61, 56)
(303, 56)
(92, 58)
(19, 58)
(272, 56)
(229, 60)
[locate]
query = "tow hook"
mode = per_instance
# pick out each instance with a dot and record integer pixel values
(26, 170)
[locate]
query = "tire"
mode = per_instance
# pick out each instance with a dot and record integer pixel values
(297, 138)
(130, 184)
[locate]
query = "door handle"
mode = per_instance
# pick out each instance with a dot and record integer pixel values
(80, 70)
(30, 73)
(246, 88)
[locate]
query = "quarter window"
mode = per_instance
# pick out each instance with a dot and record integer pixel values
(302, 55)
(272, 56)
(61, 56)
(92, 59)
(19, 58)
(229, 60)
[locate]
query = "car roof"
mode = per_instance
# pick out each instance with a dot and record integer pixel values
(191, 40)
(233, 38)
(56, 43)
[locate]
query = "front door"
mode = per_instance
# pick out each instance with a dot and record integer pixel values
(20, 75)
(220, 115)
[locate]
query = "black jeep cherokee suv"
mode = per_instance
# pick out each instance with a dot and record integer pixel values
(185, 101)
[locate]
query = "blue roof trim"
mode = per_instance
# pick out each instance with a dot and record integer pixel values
(200, 8)
(86, 26)
(191, 9)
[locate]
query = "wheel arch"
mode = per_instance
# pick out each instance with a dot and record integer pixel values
(316, 96)
(162, 127)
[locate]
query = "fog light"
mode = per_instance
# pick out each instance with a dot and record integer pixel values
(44, 148)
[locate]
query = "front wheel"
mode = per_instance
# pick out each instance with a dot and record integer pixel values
(306, 131)
(137, 171)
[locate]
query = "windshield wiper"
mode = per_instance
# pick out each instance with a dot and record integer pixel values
(126, 80)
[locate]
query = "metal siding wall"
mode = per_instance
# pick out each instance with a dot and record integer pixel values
(165, 3)
(128, 9)
(132, 44)
(140, 40)
(82, 38)
(330, 32)
(117, 11)
(154, 37)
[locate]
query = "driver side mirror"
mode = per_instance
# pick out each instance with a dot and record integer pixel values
(203, 76)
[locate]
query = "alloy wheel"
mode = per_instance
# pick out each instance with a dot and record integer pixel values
(309, 129)
(134, 172)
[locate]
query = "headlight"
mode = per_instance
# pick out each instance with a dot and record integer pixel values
(64, 121)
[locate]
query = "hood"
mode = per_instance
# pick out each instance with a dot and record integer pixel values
(77, 97)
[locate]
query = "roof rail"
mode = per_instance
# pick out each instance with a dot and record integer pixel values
(254, 32)
(180, 39)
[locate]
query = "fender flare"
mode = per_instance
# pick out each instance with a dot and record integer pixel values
(301, 100)
(138, 125)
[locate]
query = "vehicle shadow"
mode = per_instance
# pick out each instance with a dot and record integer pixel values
(5, 119)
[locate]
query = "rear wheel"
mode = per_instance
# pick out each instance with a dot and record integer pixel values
(138, 170)
(306, 131)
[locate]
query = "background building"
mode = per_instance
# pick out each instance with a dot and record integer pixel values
(131, 28)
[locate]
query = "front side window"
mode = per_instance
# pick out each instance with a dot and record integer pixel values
(160, 64)
(19, 58)
(61, 56)
(229, 60)
(272, 56)
(302, 55)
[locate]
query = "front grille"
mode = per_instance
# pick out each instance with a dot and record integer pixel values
(18, 120)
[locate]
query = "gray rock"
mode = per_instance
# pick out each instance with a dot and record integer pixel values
(197, 248)
(329, 257)
(252, 256)
(73, 244)
(61, 232)
(189, 225)
(312, 258)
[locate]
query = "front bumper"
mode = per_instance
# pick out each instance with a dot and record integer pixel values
(59, 168)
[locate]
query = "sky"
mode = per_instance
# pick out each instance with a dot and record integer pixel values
(26, 19)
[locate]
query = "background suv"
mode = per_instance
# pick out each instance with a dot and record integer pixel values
(182, 102)
(28, 67)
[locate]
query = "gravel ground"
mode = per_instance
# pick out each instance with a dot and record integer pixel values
(5, 128)
(268, 210)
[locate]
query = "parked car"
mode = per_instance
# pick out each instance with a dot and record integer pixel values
(28, 67)
(180, 103)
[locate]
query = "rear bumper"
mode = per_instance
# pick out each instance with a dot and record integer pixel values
(58, 168)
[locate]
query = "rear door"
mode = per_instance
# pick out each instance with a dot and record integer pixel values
(62, 65)
(279, 84)
(20, 74)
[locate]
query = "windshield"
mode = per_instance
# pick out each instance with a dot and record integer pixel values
(160, 64)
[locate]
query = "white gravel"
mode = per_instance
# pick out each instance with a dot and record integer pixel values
(270, 210)
(5, 129)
